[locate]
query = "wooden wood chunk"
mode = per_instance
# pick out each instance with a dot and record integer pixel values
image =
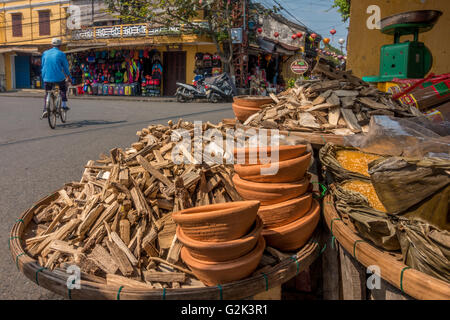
(174, 251)
(166, 235)
(66, 197)
(124, 177)
(122, 246)
(154, 172)
(90, 219)
(350, 119)
(60, 234)
(114, 279)
(104, 260)
(372, 104)
(164, 276)
(334, 100)
(347, 102)
(346, 93)
(333, 115)
(120, 258)
(165, 204)
(64, 247)
(124, 226)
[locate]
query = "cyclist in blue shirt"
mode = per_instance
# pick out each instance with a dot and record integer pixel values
(55, 69)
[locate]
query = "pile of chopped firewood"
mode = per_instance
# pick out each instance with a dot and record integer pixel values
(339, 103)
(116, 222)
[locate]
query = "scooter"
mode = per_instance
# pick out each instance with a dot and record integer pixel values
(187, 93)
(221, 89)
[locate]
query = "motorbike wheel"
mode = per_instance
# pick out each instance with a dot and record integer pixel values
(214, 98)
(180, 98)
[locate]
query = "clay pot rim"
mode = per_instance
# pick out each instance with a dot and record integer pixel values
(286, 203)
(235, 105)
(212, 211)
(286, 163)
(247, 150)
(224, 265)
(198, 244)
(262, 186)
(307, 218)
(253, 98)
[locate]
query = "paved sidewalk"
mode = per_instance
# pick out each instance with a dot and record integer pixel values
(39, 93)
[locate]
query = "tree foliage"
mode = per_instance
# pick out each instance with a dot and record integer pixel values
(343, 8)
(215, 15)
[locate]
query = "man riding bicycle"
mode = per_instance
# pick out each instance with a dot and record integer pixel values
(55, 70)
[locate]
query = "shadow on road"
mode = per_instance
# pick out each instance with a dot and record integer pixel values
(86, 123)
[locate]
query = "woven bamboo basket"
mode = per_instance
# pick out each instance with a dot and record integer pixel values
(410, 281)
(89, 290)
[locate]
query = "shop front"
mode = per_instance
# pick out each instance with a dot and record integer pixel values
(137, 60)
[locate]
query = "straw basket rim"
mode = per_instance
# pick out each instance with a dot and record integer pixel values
(57, 281)
(413, 282)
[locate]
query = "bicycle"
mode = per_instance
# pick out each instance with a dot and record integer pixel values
(53, 105)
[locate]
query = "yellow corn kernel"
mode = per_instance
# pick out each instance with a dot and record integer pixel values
(367, 190)
(355, 161)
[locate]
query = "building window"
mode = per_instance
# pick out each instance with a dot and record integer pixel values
(16, 24)
(44, 23)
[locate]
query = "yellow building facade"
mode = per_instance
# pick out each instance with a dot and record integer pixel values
(177, 49)
(26, 30)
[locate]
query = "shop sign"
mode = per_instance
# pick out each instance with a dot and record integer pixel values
(163, 30)
(108, 32)
(86, 34)
(134, 31)
(299, 66)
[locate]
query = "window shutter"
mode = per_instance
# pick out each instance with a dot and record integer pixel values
(44, 23)
(16, 24)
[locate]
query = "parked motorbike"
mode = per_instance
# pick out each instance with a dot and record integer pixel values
(221, 88)
(187, 93)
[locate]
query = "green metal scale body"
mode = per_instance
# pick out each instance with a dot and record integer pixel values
(409, 59)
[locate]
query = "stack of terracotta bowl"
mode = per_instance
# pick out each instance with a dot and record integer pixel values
(221, 242)
(288, 211)
(245, 106)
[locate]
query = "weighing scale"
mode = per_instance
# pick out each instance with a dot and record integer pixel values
(409, 59)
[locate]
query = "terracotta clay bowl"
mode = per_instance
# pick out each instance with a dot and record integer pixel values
(288, 170)
(270, 193)
(280, 214)
(252, 101)
(214, 273)
(284, 153)
(242, 113)
(218, 222)
(222, 251)
(295, 234)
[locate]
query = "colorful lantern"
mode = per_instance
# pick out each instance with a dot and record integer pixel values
(294, 36)
(276, 34)
(299, 35)
(259, 30)
(313, 35)
(326, 40)
(333, 31)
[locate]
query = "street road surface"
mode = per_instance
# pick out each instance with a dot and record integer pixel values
(35, 160)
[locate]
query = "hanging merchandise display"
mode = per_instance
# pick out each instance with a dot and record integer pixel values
(117, 72)
(207, 64)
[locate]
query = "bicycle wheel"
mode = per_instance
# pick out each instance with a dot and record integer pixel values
(62, 112)
(51, 110)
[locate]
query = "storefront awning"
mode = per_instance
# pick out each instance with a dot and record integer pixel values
(265, 45)
(19, 50)
(276, 47)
